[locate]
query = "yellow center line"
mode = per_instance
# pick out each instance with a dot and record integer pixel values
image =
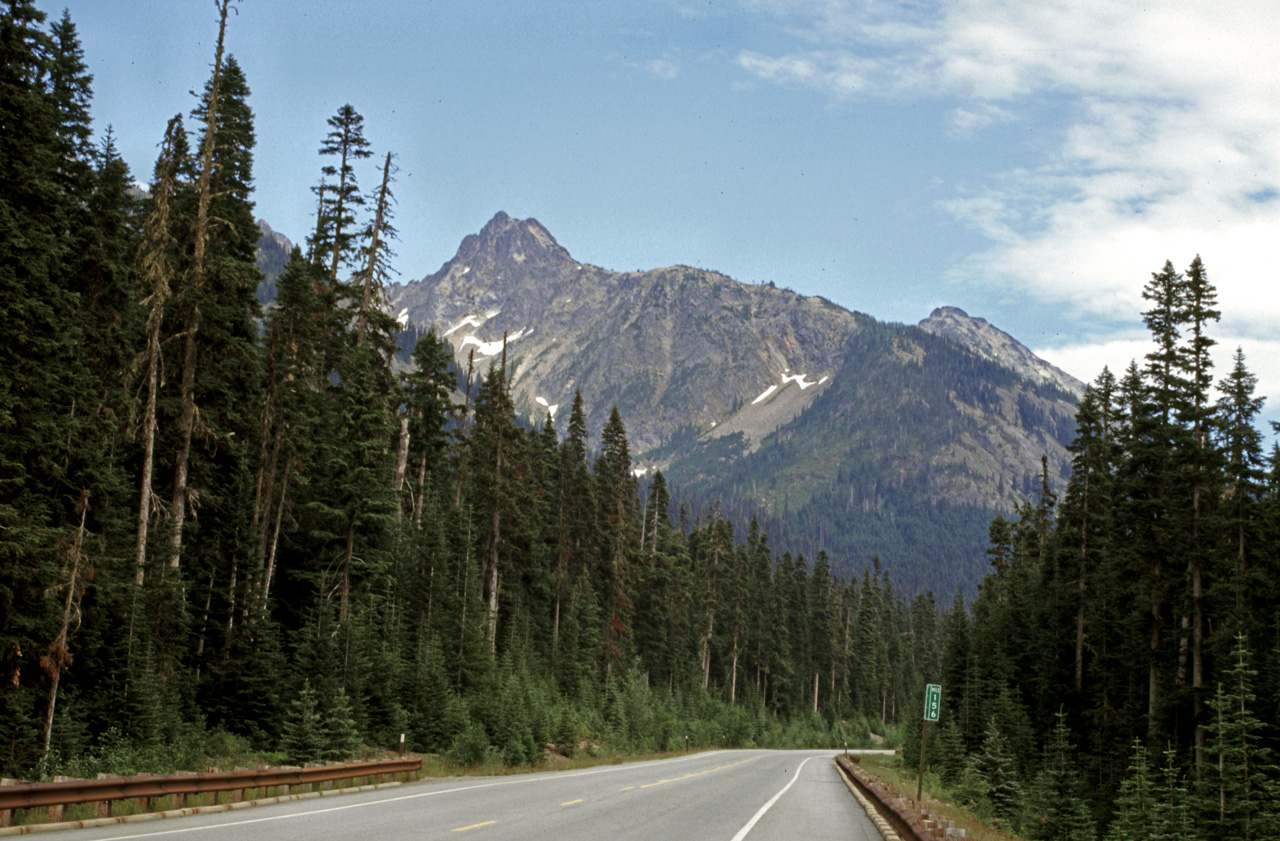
(571, 802)
(473, 826)
(626, 788)
(700, 773)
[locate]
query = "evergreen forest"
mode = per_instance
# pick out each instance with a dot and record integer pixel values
(220, 521)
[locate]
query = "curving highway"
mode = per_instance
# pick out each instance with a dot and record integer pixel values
(730, 795)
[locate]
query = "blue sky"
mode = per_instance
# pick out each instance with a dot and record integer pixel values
(1031, 163)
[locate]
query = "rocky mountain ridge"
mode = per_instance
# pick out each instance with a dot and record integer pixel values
(840, 432)
(989, 341)
(674, 347)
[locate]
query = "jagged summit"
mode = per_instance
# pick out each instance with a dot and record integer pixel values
(990, 342)
(506, 239)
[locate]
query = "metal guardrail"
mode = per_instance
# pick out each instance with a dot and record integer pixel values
(144, 788)
(900, 812)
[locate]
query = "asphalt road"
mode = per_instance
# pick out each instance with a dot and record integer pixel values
(714, 796)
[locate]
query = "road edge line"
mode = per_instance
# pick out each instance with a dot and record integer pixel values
(742, 833)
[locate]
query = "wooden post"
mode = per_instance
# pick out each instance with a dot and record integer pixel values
(102, 808)
(58, 814)
(924, 739)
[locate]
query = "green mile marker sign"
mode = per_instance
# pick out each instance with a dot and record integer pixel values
(932, 701)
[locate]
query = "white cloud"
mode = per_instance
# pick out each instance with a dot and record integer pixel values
(968, 120)
(664, 69)
(1170, 145)
(1085, 360)
(835, 74)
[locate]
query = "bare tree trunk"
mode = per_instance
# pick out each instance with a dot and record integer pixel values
(466, 410)
(158, 296)
(462, 621)
(58, 655)
(495, 539)
(733, 680)
(1197, 658)
(491, 619)
(348, 553)
(158, 274)
(1153, 676)
(402, 464)
(271, 434)
(705, 649)
(275, 542)
(422, 483)
(204, 626)
(267, 447)
(644, 525)
(231, 600)
(371, 266)
(187, 417)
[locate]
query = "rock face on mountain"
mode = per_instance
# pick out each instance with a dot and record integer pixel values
(272, 256)
(673, 348)
(992, 343)
(842, 433)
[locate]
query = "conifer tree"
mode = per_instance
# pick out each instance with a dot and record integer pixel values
(1240, 787)
(338, 729)
(304, 730)
(189, 296)
(493, 444)
(575, 506)
(41, 374)
(616, 496)
(1088, 503)
(1201, 458)
(1136, 801)
(296, 356)
(994, 776)
(1057, 807)
(1172, 818)
(339, 193)
(373, 322)
(156, 268)
(1241, 445)
(428, 390)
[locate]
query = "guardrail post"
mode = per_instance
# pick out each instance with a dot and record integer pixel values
(58, 814)
(6, 815)
(180, 799)
(102, 808)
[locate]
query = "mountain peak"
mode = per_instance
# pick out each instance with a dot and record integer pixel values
(987, 340)
(505, 239)
(952, 312)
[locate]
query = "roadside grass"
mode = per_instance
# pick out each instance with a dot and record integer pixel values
(939, 800)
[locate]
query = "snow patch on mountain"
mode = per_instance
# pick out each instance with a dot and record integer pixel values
(550, 407)
(494, 348)
(472, 320)
(801, 380)
(765, 394)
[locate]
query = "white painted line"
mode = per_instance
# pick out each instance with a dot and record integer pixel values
(742, 833)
